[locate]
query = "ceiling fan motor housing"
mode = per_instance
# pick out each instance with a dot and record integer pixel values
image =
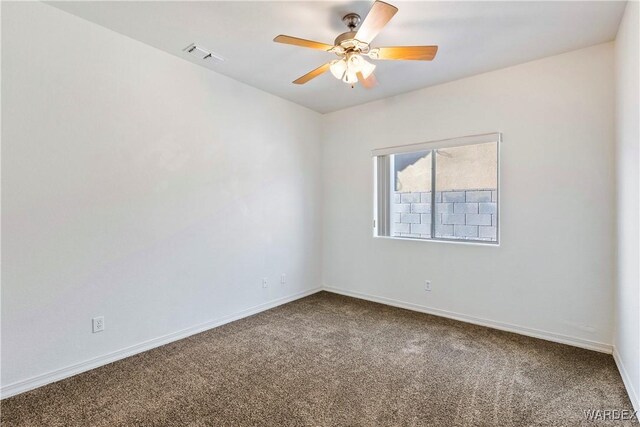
(347, 41)
(344, 38)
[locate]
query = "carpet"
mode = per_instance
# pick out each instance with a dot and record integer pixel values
(330, 360)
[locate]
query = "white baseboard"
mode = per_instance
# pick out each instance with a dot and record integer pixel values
(549, 336)
(633, 394)
(60, 374)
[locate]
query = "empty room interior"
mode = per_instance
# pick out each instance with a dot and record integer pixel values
(320, 213)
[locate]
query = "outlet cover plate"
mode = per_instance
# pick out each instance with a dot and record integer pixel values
(97, 324)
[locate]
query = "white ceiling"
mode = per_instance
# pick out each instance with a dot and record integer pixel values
(474, 37)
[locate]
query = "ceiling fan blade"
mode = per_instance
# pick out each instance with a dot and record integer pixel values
(313, 74)
(302, 42)
(376, 19)
(369, 82)
(413, 53)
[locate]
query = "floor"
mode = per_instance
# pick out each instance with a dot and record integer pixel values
(329, 360)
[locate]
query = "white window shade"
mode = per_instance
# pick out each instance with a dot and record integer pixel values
(444, 143)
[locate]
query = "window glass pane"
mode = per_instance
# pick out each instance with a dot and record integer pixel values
(411, 195)
(466, 192)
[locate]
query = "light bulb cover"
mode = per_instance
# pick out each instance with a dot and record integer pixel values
(350, 77)
(358, 64)
(338, 68)
(367, 68)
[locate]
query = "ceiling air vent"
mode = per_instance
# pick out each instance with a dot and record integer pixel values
(203, 54)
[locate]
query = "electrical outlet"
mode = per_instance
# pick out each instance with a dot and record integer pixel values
(98, 324)
(283, 279)
(265, 283)
(427, 285)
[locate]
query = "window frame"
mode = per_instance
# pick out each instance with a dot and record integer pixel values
(383, 184)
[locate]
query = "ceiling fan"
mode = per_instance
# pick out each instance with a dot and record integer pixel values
(353, 46)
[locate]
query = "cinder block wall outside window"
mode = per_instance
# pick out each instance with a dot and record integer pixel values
(461, 214)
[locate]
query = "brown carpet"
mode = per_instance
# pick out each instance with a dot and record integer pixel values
(328, 360)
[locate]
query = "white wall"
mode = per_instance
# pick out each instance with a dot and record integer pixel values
(140, 187)
(553, 272)
(627, 298)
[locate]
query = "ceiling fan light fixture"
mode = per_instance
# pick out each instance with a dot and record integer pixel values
(362, 66)
(350, 77)
(347, 69)
(338, 68)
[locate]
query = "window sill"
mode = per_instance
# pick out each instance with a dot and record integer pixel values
(449, 241)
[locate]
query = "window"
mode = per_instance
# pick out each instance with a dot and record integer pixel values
(444, 190)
